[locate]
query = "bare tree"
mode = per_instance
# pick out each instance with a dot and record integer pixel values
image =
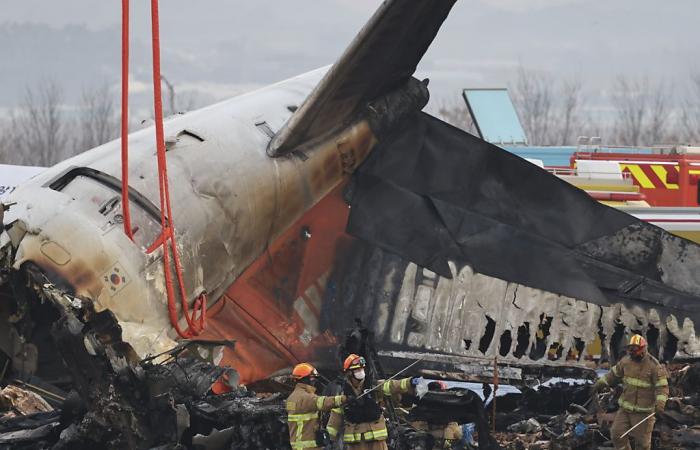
(170, 109)
(657, 126)
(568, 121)
(690, 113)
(549, 111)
(98, 121)
(533, 98)
(642, 111)
(38, 127)
(4, 142)
(630, 102)
(189, 100)
(455, 112)
(177, 102)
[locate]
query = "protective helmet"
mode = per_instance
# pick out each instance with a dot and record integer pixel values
(304, 370)
(638, 340)
(637, 346)
(353, 362)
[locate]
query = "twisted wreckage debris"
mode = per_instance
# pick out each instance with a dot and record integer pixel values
(554, 417)
(120, 401)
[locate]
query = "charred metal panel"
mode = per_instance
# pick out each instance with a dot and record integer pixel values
(510, 262)
(473, 317)
(438, 196)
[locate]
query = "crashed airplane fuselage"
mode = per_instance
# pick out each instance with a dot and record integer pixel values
(261, 187)
(234, 189)
(230, 201)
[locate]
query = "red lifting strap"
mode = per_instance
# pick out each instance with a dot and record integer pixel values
(166, 240)
(125, 120)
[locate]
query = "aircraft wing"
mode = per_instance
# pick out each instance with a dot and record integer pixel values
(434, 194)
(381, 58)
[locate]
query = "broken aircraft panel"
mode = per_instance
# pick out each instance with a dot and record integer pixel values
(471, 318)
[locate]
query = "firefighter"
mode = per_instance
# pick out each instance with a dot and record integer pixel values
(445, 435)
(303, 408)
(645, 390)
(362, 421)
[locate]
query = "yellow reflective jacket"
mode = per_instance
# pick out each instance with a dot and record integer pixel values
(303, 407)
(645, 383)
(367, 431)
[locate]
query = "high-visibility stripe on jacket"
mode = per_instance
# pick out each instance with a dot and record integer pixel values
(303, 407)
(355, 433)
(645, 383)
(371, 435)
(332, 427)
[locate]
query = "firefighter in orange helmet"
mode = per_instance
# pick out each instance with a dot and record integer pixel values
(303, 408)
(645, 391)
(362, 421)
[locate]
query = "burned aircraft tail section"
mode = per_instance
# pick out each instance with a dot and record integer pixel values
(500, 248)
(509, 218)
(381, 59)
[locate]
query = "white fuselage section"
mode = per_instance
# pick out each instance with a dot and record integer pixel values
(229, 200)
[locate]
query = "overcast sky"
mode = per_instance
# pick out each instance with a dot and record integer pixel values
(221, 47)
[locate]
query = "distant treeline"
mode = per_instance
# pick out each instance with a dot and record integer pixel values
(642, 112)
(42, 130)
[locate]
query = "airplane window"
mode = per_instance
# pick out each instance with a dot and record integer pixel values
(101, 192)
(86, 189)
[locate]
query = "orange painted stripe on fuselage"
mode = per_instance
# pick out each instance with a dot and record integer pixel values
(272, 313)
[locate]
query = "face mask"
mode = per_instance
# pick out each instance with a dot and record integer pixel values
(359, 374)
(636, 353)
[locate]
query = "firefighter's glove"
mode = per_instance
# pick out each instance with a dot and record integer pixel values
(660, 407)
(599, 386)
(420, 385)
